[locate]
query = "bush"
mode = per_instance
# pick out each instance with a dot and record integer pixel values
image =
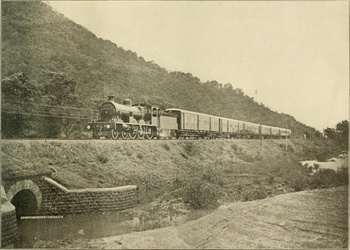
(190, 148)
(212, 176)
(102, 158)
(234, 147)
(200, 195)
(253, 194)
(329, 178)
(271, 179)
(166, 147)
(298, 184)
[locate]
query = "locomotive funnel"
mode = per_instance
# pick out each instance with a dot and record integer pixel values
(111, 98)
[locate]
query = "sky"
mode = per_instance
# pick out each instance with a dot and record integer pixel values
(294, 54)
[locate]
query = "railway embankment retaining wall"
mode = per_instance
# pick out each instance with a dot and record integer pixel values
(58, 200)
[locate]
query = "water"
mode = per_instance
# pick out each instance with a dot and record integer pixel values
(72, 227)
(90, 226)
(334, 163)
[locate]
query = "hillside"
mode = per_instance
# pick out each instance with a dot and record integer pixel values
(36, 39)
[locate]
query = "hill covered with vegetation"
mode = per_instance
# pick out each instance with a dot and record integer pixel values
(45, 54)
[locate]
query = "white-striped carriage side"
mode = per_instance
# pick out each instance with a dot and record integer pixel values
(234, 126)
(215, 122)
(266, 130)
(275, 131)
(223, 125)
(195, 122)
(250, 129)
(203, 123)
(189, 121)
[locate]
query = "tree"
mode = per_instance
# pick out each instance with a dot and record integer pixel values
(59, 91)
(330, 133)
(339, 134)
(16, 93)
(17, 88)
(228, 86)
(343, 130)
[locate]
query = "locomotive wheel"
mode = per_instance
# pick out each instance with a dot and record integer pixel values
(114, 134)
(132, 135)
(124, 135)
(140, 136)
(149, 134)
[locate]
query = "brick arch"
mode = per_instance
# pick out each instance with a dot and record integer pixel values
(22, 185)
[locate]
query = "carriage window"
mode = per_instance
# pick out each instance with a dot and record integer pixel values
(155, 112)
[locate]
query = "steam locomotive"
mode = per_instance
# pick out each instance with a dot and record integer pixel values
(144, 121)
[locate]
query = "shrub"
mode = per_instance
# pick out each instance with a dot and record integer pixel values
(200, 194)
(253, 194)
(329, 178)
(190, 148)
(271, 179)
(102, 158)
(291, 148)
(344, 175)
(234, 147)
(128, 152)
(298, 184)
(212, 176)
(247, 158)
(166, 147)
(184, 155)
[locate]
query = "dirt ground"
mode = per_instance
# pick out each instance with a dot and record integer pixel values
(307, 219)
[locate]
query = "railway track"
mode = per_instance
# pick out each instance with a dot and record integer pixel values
(137, 140)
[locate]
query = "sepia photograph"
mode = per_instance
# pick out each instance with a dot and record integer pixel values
(174, 124)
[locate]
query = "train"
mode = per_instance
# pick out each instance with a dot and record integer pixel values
(145, 121)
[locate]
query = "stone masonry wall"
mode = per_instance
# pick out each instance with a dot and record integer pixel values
(57, 200)
(8, 227)
(8, 222)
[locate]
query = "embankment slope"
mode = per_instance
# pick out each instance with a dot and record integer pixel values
(240, 169)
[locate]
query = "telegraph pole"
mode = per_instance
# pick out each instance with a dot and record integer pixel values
(256, 95)
(286, 141)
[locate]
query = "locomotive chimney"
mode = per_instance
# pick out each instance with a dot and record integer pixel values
(111, 98)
